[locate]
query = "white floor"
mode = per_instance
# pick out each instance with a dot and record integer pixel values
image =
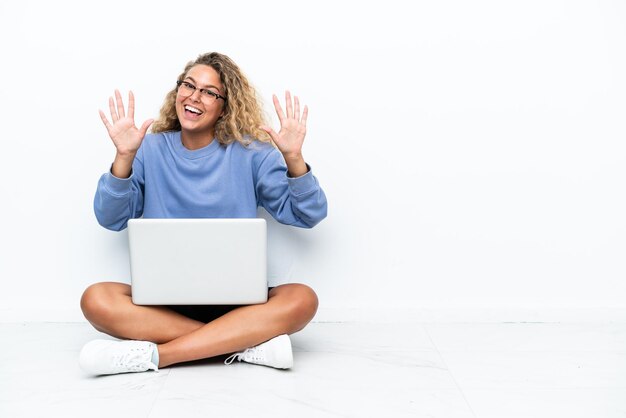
(341, 370)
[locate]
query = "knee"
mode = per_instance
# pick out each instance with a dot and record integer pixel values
(302, 306)
(96, 302)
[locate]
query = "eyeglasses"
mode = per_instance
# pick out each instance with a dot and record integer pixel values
(187, 89)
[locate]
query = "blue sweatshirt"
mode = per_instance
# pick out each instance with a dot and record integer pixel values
(217, 181)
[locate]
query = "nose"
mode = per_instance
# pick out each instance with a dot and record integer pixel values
(196, 95)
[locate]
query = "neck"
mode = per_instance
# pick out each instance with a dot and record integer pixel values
(193, 141)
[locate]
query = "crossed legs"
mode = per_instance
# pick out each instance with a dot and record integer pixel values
(109, 308)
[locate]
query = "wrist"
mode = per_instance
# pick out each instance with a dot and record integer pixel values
(294, 158)
(122, 165)
(296, 167)
(125, 155)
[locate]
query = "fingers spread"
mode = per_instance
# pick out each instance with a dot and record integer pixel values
(114, 115)
(131, 105)
(279, 110)
(120, 104)
(296, 108)
(105, 120)
(305, 114)
(288, 105)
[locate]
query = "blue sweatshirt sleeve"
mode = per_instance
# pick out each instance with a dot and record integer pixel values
(298, 201)
(118, 200)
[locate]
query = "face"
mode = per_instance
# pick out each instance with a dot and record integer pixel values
(198, 112)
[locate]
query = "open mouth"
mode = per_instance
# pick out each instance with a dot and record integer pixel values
(192, 111)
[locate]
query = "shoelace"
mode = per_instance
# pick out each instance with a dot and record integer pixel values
(248, 353)
(133, 359)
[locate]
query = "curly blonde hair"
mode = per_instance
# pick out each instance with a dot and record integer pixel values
(242, 115)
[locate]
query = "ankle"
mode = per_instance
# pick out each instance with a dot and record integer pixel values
(156, 357)
(166, 356)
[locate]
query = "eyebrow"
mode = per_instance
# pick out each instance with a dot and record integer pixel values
(205, 87)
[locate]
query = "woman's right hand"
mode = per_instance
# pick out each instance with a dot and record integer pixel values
(125, 135)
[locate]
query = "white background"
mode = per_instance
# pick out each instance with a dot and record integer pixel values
(472, 152)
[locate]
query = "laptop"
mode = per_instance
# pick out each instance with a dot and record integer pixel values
(198, 261)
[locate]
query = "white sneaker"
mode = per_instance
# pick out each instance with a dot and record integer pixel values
(273, 353)
(112, 357)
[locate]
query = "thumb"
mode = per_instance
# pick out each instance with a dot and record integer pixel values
(145, 126)
(270, 132)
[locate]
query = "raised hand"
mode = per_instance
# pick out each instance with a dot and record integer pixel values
(290, 138)
(125, 135)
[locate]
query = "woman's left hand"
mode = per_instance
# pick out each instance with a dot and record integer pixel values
(290, 138)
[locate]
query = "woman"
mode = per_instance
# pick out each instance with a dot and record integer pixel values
(209, 156)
